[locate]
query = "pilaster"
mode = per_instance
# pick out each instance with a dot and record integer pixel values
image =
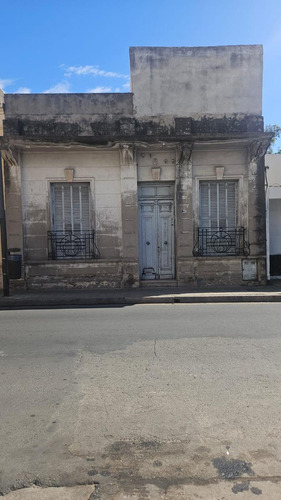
(129, 207)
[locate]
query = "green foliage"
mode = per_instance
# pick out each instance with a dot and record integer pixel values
(276, 130)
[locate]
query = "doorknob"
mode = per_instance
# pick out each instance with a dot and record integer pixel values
(148, 242)
(165, 243)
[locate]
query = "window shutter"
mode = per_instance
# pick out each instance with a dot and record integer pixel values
(218, 204)
(204, 205)
(231, 193)
(85, 207)
(70, 207)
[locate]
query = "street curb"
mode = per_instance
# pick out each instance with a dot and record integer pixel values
(45, 302)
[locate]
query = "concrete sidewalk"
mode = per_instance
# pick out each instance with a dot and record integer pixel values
(143, 295)
(36, 493)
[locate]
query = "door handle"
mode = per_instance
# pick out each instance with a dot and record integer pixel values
(165, 243)
(148, 242)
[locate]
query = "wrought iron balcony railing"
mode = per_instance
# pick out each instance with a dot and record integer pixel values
(210, 242)
(72, 245)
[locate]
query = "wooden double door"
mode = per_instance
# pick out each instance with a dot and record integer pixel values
(156, 232)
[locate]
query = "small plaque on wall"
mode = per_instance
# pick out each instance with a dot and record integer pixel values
(156, 173)
(249, 269)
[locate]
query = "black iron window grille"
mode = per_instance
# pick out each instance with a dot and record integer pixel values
(72, 245)
(210, 242)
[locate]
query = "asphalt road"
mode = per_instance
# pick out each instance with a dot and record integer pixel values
(142, 399)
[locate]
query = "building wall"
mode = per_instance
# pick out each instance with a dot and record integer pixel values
(275, 226)
(273, 163)
(192, 81)
(114, 206)
(102, 170)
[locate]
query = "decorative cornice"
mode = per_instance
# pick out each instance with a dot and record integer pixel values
(257, 148)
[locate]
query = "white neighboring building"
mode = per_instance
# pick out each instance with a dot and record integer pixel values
(273, 162)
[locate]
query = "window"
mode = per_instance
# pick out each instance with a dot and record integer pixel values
(71, 236)
(70, 207)
(218, 204)
(218, 232)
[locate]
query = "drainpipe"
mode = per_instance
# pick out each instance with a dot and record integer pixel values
(267, 226)
(6, 289)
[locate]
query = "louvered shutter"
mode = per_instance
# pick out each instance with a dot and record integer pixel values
(204, 205)
(218, 204)
(70, 207)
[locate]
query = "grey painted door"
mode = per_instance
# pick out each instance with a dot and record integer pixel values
(156, 239)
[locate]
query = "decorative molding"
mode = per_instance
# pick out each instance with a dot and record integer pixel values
(156, 173)
(185, 153)
(258, 148)
(127, 154)
(9, 157)
(219, 173)
(69, 174)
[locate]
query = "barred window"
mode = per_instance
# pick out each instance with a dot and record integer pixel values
(71, 236)
(70, 207)
(218, 204)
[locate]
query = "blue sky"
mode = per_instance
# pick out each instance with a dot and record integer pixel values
(72, 46)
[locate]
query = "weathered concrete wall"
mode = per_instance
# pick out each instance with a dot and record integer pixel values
(129, 201)
(191, 81)
(222, 271)
(58, 274)
(256, 201)
(101, 169)
(113, 176)
(234, 161)
(12, 175)
(193, 167)
(44, 106)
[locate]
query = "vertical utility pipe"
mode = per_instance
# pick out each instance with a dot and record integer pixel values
(6, 289)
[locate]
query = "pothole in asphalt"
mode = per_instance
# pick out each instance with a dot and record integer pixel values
(233, 468)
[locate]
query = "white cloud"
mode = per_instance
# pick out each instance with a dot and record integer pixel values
(5, 83)
(59, 88)
(100, 90)
(126, 85)
(92, 70)
(23, 90)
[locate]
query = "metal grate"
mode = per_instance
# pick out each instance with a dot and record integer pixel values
(72, 245)
(212, 242)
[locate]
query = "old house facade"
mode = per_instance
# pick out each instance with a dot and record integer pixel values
(165, 183)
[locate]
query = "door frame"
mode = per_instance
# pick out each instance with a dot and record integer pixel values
(167, 196)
